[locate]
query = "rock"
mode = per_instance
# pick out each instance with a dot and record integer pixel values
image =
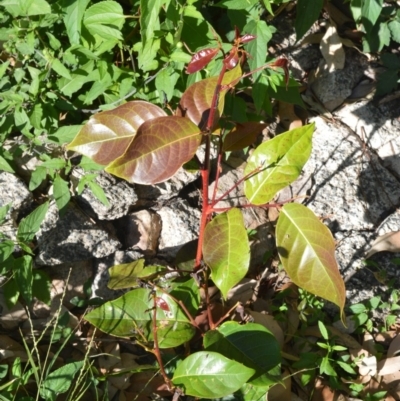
(140, 231)
(180, 224)
(120, 195)
(149, 195)
(72, 238)
(377, 125)
(15, 193)
(332, 88)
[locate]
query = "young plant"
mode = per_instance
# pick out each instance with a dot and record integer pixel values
(139, 142)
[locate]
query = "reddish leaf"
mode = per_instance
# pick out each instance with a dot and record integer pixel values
(231, 59)
(241, 136)
(200, 59)
(160, 147)
(196, 101)
(107, 135)
(247, 38)
(162, 304)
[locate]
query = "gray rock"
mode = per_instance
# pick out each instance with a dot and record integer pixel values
(72, 238)
(120, 195)
(377, 125)
(15, 193)
(149, 195)
(333, 87)
(180, 225)
(140, 231)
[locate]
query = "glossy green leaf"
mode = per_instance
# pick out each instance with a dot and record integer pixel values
(307, 251)
(307, 12)
(30, 225)
(279, 162)
(251, 344)
(73, 15)
(188, 293)
(160, 148)
(208, 374)
(226, 249)
(23, 276)
(242, 135)
(105, 19)
(125, 275)
(107, 135)
(60, 380)
(132, 316)
(61, 192)
(196, 101)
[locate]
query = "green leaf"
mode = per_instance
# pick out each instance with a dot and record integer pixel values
(60, 380)
(279, 162)
(236, 4)
(166, 81)
(149, 20)
(65, 134)
(30, 225)
(162, 145)
(26, 8)
(41, 286)
(23, 276)
(370, 12)
(54, 164)
(60, 69)
(125, 275)
(98, 192)
(226, 249)
(105, 19)
(5, 166)
(61, 192)
(6, 249)
(387, 82)
(73, 15)
(3, 212)
(37, 116)
(307, 251)
(394, 27)
(251, 344)
(11, 293)
(307, 12)
(132, 316)
(3, 67)
(257, 47)
(208, 374)
(189, 293)
(37, 177)
(55, 44)
(323, 330)
(267, 5)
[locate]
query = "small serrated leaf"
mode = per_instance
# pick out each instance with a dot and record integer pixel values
(61, 192)
(30, 225)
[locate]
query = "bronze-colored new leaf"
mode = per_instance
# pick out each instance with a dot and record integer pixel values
(107, 135)
(196, 101)
(160, 147)
(242, 135)
(307, 250)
